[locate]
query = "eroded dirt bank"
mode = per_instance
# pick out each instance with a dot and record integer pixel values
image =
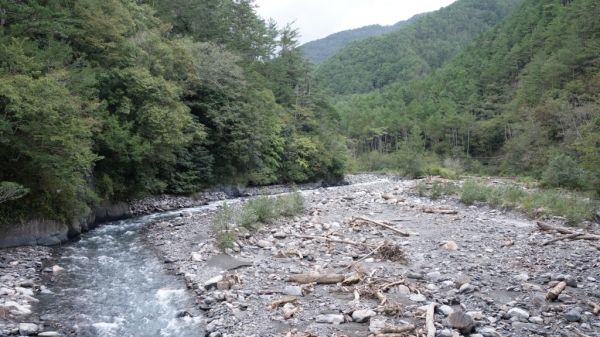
(494, 283)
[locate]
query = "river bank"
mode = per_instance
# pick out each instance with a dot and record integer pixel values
(481, 266)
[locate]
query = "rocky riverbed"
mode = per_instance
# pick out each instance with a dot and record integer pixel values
(479, 271)
(20, 282)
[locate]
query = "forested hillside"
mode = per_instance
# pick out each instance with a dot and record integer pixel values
(319, 50)
(410, 53)
(106, 100)
(524, 99)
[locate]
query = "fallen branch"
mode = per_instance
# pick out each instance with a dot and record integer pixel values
(567, 236)
(561, 230)
(595, 306)
(508, 243)
(314, 237)
(581, 334)
(379, 223)
(275, 304)
(554, 292)
(331, 232)
(316, 278)
(439, 211)
(391, 197)
(288, 252)
(393, 331)
(429, 320)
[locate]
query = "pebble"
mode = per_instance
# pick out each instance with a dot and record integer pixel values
(519, 313)
(417, 298)
(361, 316)
(572, 316)
(330, 318)
(293, 291)
(27, 329)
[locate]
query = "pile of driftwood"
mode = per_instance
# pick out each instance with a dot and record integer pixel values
(568, 235)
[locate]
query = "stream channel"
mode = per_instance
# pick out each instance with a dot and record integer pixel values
(113, 285)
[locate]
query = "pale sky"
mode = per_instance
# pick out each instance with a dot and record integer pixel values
(316, 19)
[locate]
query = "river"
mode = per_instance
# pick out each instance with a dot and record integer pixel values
(113, 285)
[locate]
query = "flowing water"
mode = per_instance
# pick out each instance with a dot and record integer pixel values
(115, 286)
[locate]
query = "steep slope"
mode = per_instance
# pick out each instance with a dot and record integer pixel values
(527, 93)
(319, 50)
(410, 53)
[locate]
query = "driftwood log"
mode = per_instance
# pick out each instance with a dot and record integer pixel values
(315, 237)
(430, 320)
(554, 292)
(316, 278)
(439, 211)
(391, 197)
(275, 304)
(596, 307)
(381, 224)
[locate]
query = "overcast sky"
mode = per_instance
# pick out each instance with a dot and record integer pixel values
(316, 19)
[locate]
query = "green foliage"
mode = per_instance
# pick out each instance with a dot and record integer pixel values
(563, 171)
(319, 50)
(408, 54)
(291, 204)
(108, 100)
(224, 226)
(421, 188)
(11, 191)
(264, 207)
(436, 190)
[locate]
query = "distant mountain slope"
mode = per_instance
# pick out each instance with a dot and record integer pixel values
(410, 53)
(318, 50)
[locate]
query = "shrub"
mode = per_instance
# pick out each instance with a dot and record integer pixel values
(263, 207)
(450, 188)
(436, 190)
(471, 192)
(291, 204)
(421, 188)
(223, 227)
(563, 171)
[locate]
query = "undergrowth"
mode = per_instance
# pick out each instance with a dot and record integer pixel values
(574, 207)
(256, 212)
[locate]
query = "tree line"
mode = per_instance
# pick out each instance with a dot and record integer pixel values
(108, 100)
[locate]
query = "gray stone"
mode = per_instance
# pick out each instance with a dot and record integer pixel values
(402, 289)
(487, 332)
(415, 276)
(459, 282)
(564, 298)
(519, 313)
(330, 318)
(522, 277)
(536, 320)
(445, 333)
(264, 244)
(376, 325)
(524, 326)
(361, 316)
(280, 235)
(27, 329)
(461, 321)
(49, 334)
(572, 316)
(417, 298)
(213, 282)
(293, 291)
(446, 309)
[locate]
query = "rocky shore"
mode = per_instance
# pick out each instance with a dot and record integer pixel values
(20, 282)
(374, 258)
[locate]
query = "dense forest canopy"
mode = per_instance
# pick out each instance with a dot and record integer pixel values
(106, 100)
(319, 50)
(524, 99)
(411, 52)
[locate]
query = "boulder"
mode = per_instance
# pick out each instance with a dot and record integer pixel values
(27, 329)
(361, 316)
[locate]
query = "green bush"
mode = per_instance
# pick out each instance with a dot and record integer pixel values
(563, 171)
(450, 188)
(264, 208)
(471, 191)
(421, 188)
(291, 204)
(224, 225)
(436, 190)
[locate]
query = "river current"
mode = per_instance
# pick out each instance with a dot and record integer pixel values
(115, 286)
